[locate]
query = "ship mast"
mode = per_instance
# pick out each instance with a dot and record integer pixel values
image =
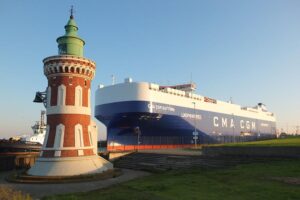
(42, 122)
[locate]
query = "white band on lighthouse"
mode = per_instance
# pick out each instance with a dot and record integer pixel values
(68, 110)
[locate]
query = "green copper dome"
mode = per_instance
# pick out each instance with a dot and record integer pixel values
(70, 43)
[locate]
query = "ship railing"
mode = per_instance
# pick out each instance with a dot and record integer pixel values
(173, 91)
(176, 92)
(193, 96)
(250, 109)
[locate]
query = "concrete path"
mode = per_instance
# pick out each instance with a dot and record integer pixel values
(40, 190)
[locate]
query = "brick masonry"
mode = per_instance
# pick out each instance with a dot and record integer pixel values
(71, 72)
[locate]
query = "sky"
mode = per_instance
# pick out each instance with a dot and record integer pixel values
(247, 50)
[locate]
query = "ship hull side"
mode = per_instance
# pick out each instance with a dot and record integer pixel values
(162, 124)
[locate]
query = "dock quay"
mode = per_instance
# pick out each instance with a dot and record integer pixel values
(17, 160)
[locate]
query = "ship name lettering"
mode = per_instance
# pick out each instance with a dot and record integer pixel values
(232, 124)
(192, 116)
(242, 124)
(225, 122)
(160, 107)
(247, 124)
(253, 125)
(216, 124)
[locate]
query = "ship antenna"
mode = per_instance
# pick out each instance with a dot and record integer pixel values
(113, 79)
(42, 118)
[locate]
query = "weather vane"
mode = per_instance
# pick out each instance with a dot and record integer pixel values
(72, 12)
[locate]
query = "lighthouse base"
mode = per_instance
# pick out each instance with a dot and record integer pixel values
(70, 166)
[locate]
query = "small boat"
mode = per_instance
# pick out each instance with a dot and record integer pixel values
(26, 143)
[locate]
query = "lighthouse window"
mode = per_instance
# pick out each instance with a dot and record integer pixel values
(49, 96)
(78, 96)
(78, 136)
(85, 82)
(62, 49)
(59, 136)
(91, 139)
(61, 97)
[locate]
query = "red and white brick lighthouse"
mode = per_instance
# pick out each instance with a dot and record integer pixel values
(70, 146)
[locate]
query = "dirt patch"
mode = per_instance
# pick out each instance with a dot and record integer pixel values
(289, 180)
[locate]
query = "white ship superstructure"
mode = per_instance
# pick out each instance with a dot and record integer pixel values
(39, 131)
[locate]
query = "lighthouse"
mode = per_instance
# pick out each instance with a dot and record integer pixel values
(70, 146)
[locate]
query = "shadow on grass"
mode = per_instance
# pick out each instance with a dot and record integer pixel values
(23, 177)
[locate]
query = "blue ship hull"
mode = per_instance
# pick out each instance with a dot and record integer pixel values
(130, 121)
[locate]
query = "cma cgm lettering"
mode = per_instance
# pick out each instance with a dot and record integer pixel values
(166, 116)
(225, 123)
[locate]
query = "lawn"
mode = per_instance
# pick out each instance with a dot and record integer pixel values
(288, 142)
(268, 180)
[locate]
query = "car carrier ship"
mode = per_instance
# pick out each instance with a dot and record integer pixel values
(149, 116)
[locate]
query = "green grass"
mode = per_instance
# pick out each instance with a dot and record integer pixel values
(247, 182)
(8, 193)
(284, 142)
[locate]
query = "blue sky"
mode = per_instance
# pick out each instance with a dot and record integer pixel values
(247, 50)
